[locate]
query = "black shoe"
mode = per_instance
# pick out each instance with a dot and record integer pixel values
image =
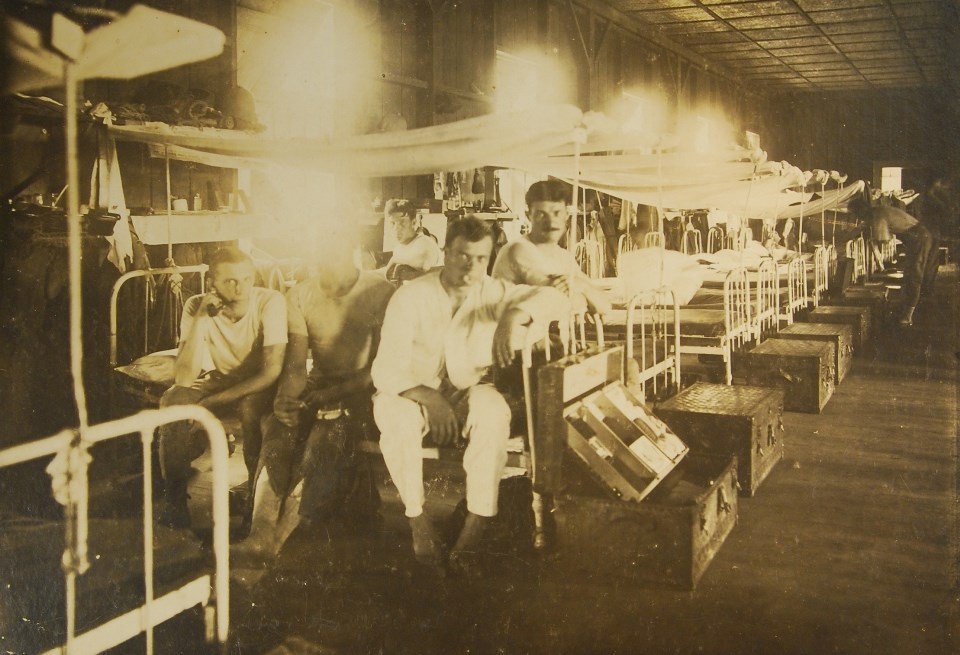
(174, 515)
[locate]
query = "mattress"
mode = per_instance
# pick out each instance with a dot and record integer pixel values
(694, 321)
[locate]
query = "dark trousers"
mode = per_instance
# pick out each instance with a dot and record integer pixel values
(920, 268)
(180, 444)
(324, 455)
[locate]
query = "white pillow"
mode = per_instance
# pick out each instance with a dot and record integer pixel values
(649, 269)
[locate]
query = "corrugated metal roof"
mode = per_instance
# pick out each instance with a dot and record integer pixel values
(814, 44)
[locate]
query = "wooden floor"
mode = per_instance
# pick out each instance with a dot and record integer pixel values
(850, 546)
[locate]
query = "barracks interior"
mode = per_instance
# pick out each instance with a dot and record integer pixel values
(406, 327)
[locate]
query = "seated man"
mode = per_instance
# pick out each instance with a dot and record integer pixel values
(538, 259)
(416, 252)
(441, 335)
(307, 464)
(241, 330)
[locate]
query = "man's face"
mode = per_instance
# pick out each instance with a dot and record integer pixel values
(404, 226)
(548, 220)
(232, 281)
(335, 265)
(465, 262)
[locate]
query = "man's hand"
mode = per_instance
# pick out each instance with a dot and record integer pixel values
(560, 282)
(509, 336)
(287, 410)
(440, 416)
(210, 304)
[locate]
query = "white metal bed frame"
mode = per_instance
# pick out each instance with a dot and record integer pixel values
(766, 315)
(714, 239)
(132, 275)
(153, 611)
(665, 351)
(821, 273)
(695, 237)
(797, 292)
(856, 250)
(738, 326)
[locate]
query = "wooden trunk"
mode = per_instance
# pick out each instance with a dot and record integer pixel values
(803, 369)
(856, 317)
(668, 539)
(730, 420)
(872, 299)
(841, 336)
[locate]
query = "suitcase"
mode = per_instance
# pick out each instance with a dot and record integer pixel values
(730, 420)
(803, 369)
(856, 317)
(841, 336)
(582, 400)
(668, 540)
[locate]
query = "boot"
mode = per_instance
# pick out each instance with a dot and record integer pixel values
(261, 545)
(465, 556)
(175, 511)
(427, 547)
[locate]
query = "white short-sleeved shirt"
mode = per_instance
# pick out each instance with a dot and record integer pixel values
(232, 344)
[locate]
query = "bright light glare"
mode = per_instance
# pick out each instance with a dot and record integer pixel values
(524, 80)
(310, 68)
(641, 112)
(705, 130)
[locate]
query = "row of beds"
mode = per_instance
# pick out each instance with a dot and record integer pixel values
(731, 309)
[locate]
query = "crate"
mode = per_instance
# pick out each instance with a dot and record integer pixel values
(617, 439)
(803, 369)
(730, 420)
(664, 540)
(841, 336)
(856, 317)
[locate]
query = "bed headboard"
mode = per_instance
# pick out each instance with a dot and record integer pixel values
(173, 272)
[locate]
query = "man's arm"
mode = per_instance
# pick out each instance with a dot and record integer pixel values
(441, 418)
(193, 334)
(293, 380)
(271, 363)
(392, 370)
(522, 306)
(596, 298)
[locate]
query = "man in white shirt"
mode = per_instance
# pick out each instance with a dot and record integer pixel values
(441, 335)
(416, 252)
(538, 259)
(240, 330)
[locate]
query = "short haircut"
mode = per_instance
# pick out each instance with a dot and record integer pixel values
(859, 207)
(400, 206)
(229, 255)
(548, 191)
(469, 228)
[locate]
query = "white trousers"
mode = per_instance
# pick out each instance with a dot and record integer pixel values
(485, 423)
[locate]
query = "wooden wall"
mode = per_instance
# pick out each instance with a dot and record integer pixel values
(857, 133)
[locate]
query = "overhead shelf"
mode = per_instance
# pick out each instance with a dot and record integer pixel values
(199, 227)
